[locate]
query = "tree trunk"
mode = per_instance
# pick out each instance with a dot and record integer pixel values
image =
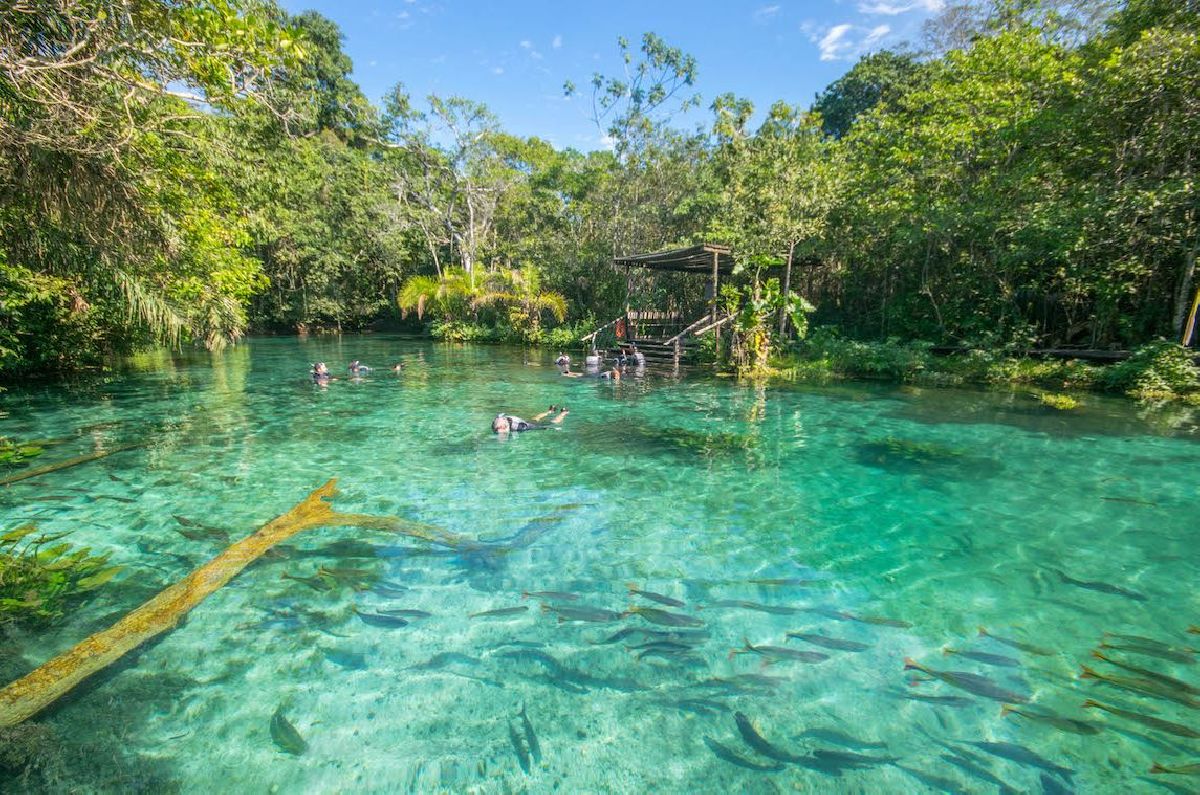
(787, 287)
(1182, 303)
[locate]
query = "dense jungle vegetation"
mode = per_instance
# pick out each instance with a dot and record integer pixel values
(185, 172)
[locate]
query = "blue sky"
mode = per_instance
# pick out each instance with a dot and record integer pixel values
(514, 55)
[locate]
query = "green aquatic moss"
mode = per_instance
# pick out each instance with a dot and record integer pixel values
(40, 574)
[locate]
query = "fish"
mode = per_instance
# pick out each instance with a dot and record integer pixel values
(836, 761)
(1194, 630)
(316, 582)
(1099, 587)
(674, 658)
(1168, 681)
(742, 683)
(442, 659)
(1192, 769)
(622, 634)
(1131, 500)
(838, 738)
(785, 581)
(1017, 644)
(780, 653)
(409, 613)
(827, 642)
(1057, 721)
(531, 740)
(701, 706)
(1148, 687)
(388, 589)
(933, 782)
(949, 701)
(519, 747)
(1052, 786)
(114, 498)
(377, 620)
(553, 596)
(985, 658)
(595, 614)
(346, 659)
(1183, 656)
(1023, 756)
(663, 617)
(347, 576)
(286, 738)
(879, 621)
(732, 757)
(779, 610)
(501, 611)
(1158, 724)
(664, 646)
(759, 743)
(690, 637)
(972, 683)
(662, 599)
(974, 770)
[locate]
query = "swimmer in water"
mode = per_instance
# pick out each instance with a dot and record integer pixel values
(563, 360)
(320, 373)
(507, 423)
(358, 368)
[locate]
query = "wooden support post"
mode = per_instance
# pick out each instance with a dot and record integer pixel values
(716, 272)
(715, 283)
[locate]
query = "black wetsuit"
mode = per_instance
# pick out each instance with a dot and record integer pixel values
(517, 424)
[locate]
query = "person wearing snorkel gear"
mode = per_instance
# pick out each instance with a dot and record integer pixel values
(507, 423)
(357, 368)
(320, 373)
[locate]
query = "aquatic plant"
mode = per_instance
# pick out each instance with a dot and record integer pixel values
(39, 577)
(895, 447)
(15, 454)
(1058, 401)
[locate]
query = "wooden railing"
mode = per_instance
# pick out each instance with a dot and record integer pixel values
(592, 337)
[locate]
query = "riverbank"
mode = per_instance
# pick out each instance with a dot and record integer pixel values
(1158, 371)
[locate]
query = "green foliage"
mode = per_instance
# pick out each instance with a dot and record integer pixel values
(1156, 370)
(40, 575)
(877, 80)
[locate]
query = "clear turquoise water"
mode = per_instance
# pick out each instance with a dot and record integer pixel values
(690, 487)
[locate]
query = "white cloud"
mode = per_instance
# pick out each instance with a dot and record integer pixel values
(844, 41)
(557, 43)
(833, 44)
(891, 9)
(765, 13)
(497, 70)
(877, 33)
(526, 44)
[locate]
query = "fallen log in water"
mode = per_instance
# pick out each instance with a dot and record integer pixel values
(34, 692)
(66, 464)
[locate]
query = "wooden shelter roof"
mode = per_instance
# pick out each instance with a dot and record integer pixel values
(694, 259)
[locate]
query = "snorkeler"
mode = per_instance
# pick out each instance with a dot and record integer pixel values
(357, 367)
(507, 423)
(613, 374)
(320, 373)
(563, 360)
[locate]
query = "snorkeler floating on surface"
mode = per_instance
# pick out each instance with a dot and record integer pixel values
(320, 373)
(507, 423)
(358, 367)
